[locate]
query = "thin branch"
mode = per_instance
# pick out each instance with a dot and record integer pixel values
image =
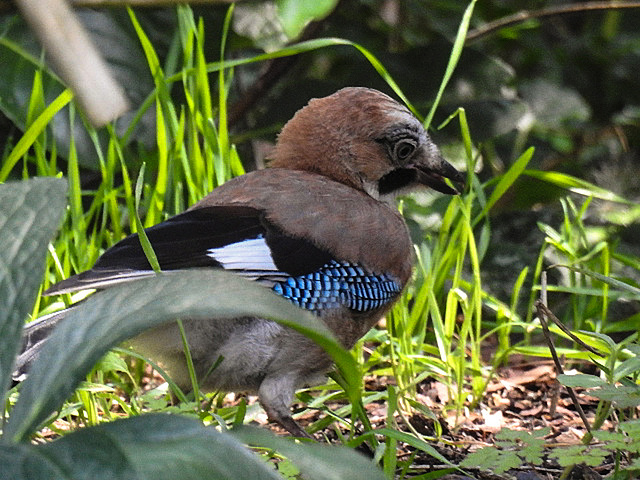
(549, 314)
(525, 15)
(559, 369)
(554, 354)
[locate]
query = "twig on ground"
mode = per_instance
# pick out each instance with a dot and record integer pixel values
(541, 309)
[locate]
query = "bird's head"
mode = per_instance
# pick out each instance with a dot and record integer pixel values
(365, 139)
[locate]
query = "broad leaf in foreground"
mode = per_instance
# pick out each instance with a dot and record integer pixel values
(109, 317)
(315, 461)
(30, 214)
(149, 447)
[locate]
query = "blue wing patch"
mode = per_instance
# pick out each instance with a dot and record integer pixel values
(242, 240)
(334, 285)
(339, 284)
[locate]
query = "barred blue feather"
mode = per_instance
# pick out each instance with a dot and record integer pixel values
(339, 284)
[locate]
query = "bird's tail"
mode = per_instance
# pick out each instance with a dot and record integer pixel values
(34, 335)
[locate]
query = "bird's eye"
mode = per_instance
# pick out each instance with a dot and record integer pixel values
(403, 149)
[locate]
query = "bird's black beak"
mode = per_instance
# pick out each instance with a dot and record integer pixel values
(428, 168)
(434, 172)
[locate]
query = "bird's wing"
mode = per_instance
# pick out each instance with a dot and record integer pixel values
(235, 238)
(241, 240)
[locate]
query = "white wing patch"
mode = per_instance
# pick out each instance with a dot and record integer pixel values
(253, 255)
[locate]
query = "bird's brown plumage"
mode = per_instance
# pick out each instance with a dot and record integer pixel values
(337, 165)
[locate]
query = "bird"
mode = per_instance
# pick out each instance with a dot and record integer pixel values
(319, 227)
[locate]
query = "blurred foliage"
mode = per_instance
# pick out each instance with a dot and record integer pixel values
(565, 84)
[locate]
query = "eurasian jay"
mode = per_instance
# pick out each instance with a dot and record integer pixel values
(319, 228)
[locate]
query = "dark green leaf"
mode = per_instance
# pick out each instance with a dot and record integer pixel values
(315, 461)
(23, 462)
(30, 215)
(108, 318)
(158, 447)
(149, 447)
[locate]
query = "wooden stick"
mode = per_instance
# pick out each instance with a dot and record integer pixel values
(547, 335)
(75, 59)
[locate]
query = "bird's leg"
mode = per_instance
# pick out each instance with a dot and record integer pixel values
(276, 395)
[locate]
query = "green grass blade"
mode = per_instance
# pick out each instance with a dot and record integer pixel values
(506, 180)
(456, 51)
(410, 440)
(621, 286)
(311, 45)
(576, 185)
(32, 133)
(156, 206)
(142, 235)
(149, 51)
(223, 132)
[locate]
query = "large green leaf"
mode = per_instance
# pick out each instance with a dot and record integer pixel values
(30, 214)
(153, 447)
(23, 462)
(315, 461)
(108, 318)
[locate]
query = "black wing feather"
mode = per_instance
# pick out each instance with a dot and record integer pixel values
(184, 241)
